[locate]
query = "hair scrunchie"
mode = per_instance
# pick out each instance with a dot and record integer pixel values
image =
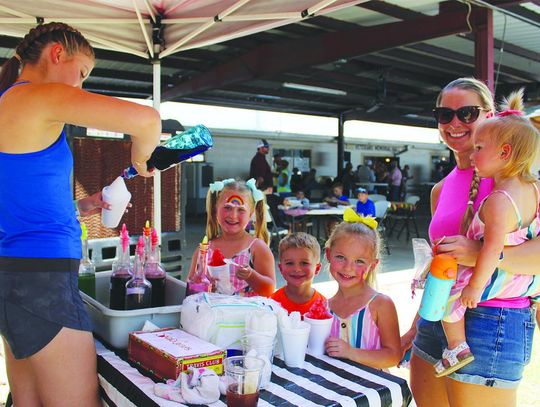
(509, 112)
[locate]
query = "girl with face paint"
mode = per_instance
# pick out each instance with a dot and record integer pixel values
(365, 327)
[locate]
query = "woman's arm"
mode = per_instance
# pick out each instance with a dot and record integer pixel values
(385, 316)
(261, 278)
(67, 104)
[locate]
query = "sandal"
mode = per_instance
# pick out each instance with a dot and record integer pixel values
(453, 359)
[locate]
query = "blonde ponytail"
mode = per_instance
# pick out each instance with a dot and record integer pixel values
(261, 229)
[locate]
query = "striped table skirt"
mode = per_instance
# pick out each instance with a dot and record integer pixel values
(323, 381)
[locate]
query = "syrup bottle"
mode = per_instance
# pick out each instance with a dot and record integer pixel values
(154, 272)
(199, 281)
(121, 273)
(138, 288)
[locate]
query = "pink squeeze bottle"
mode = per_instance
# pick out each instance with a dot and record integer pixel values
(154, 272)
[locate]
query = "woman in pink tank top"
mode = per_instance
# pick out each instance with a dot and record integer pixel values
(496, 329)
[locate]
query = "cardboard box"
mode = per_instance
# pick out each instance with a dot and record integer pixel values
(167, 352)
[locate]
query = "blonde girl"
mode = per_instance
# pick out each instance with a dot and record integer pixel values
(230, 206)
(365, 327)
(49, 349)
(505, 148)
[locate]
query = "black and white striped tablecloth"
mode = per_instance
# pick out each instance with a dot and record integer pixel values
(323, 381)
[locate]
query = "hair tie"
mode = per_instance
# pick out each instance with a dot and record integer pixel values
(17, 57)
(218, 185)
(470, 203)
(350, 216)
(257, 193)
(509, 112)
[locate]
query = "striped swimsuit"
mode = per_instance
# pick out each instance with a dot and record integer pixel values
(359, 329)
(501, 283)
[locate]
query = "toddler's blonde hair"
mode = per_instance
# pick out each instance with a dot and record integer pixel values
(300, 240)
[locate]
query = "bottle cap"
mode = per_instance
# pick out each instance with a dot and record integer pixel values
(443, 266)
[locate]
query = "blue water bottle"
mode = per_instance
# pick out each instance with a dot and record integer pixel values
(439, 281)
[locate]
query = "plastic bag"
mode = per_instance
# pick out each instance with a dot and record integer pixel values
(423, 255)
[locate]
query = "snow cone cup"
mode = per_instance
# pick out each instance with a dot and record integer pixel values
(118, 196)
(319, 332)
(221, 275)
(294, 344)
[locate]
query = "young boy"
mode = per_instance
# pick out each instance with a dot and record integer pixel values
(364, 206)
(337, 198)
(299, 263)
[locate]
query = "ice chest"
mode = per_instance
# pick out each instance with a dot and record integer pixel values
(168, 352)
(114, 326)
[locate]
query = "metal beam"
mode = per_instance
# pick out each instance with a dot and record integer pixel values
(271, 59)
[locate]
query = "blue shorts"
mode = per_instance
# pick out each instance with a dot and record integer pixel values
(500, 340)
(38, 297)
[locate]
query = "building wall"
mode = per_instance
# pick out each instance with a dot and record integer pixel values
(232, 154)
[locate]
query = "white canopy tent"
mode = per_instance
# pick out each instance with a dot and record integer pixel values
(154, 29)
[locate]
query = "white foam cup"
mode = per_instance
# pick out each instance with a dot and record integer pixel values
(320, 331)
(222, 276)
(294, 344)
(118, 196)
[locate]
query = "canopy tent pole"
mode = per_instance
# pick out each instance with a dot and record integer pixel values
(156, 70)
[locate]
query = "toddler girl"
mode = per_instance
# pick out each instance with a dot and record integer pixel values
(505, 147)
(230, 205)
(365, 327)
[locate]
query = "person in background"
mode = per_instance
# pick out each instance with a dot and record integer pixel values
(364, 206)
(438, 174)
(365, 327)
(230, 206)
(284, 179)
(259, 167)
(337, 198)
(405, 177)
(299, 263)
(348, 179)
(310, 182)
(276, 162)
(301, 197)
(49, 349)
(296, 180)
(394, 180)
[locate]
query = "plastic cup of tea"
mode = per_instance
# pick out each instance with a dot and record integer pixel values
(118, 197)
(243, 376)
(320, 331)
(294, 344)
(263, 347)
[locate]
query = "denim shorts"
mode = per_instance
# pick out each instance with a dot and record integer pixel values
(38, 297)
(500, 340)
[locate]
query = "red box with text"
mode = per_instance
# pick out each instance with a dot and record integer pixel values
(167, 352)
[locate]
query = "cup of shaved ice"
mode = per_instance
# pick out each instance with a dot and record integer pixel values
(219, 272)
(320, 319)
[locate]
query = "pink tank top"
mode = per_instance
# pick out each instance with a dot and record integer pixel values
(449, 211)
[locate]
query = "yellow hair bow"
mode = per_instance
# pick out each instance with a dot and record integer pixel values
(350, 216)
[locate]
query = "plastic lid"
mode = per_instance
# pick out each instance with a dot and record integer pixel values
(443, 266)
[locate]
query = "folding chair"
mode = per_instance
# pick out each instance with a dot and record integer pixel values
(376, 197)
(381, 210)
(406, 214)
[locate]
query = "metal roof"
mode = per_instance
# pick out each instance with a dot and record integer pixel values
(380, 60)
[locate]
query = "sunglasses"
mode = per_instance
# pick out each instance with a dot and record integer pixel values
(465, 114)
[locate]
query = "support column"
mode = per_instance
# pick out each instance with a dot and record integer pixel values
(483, 46)
(340, 145)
